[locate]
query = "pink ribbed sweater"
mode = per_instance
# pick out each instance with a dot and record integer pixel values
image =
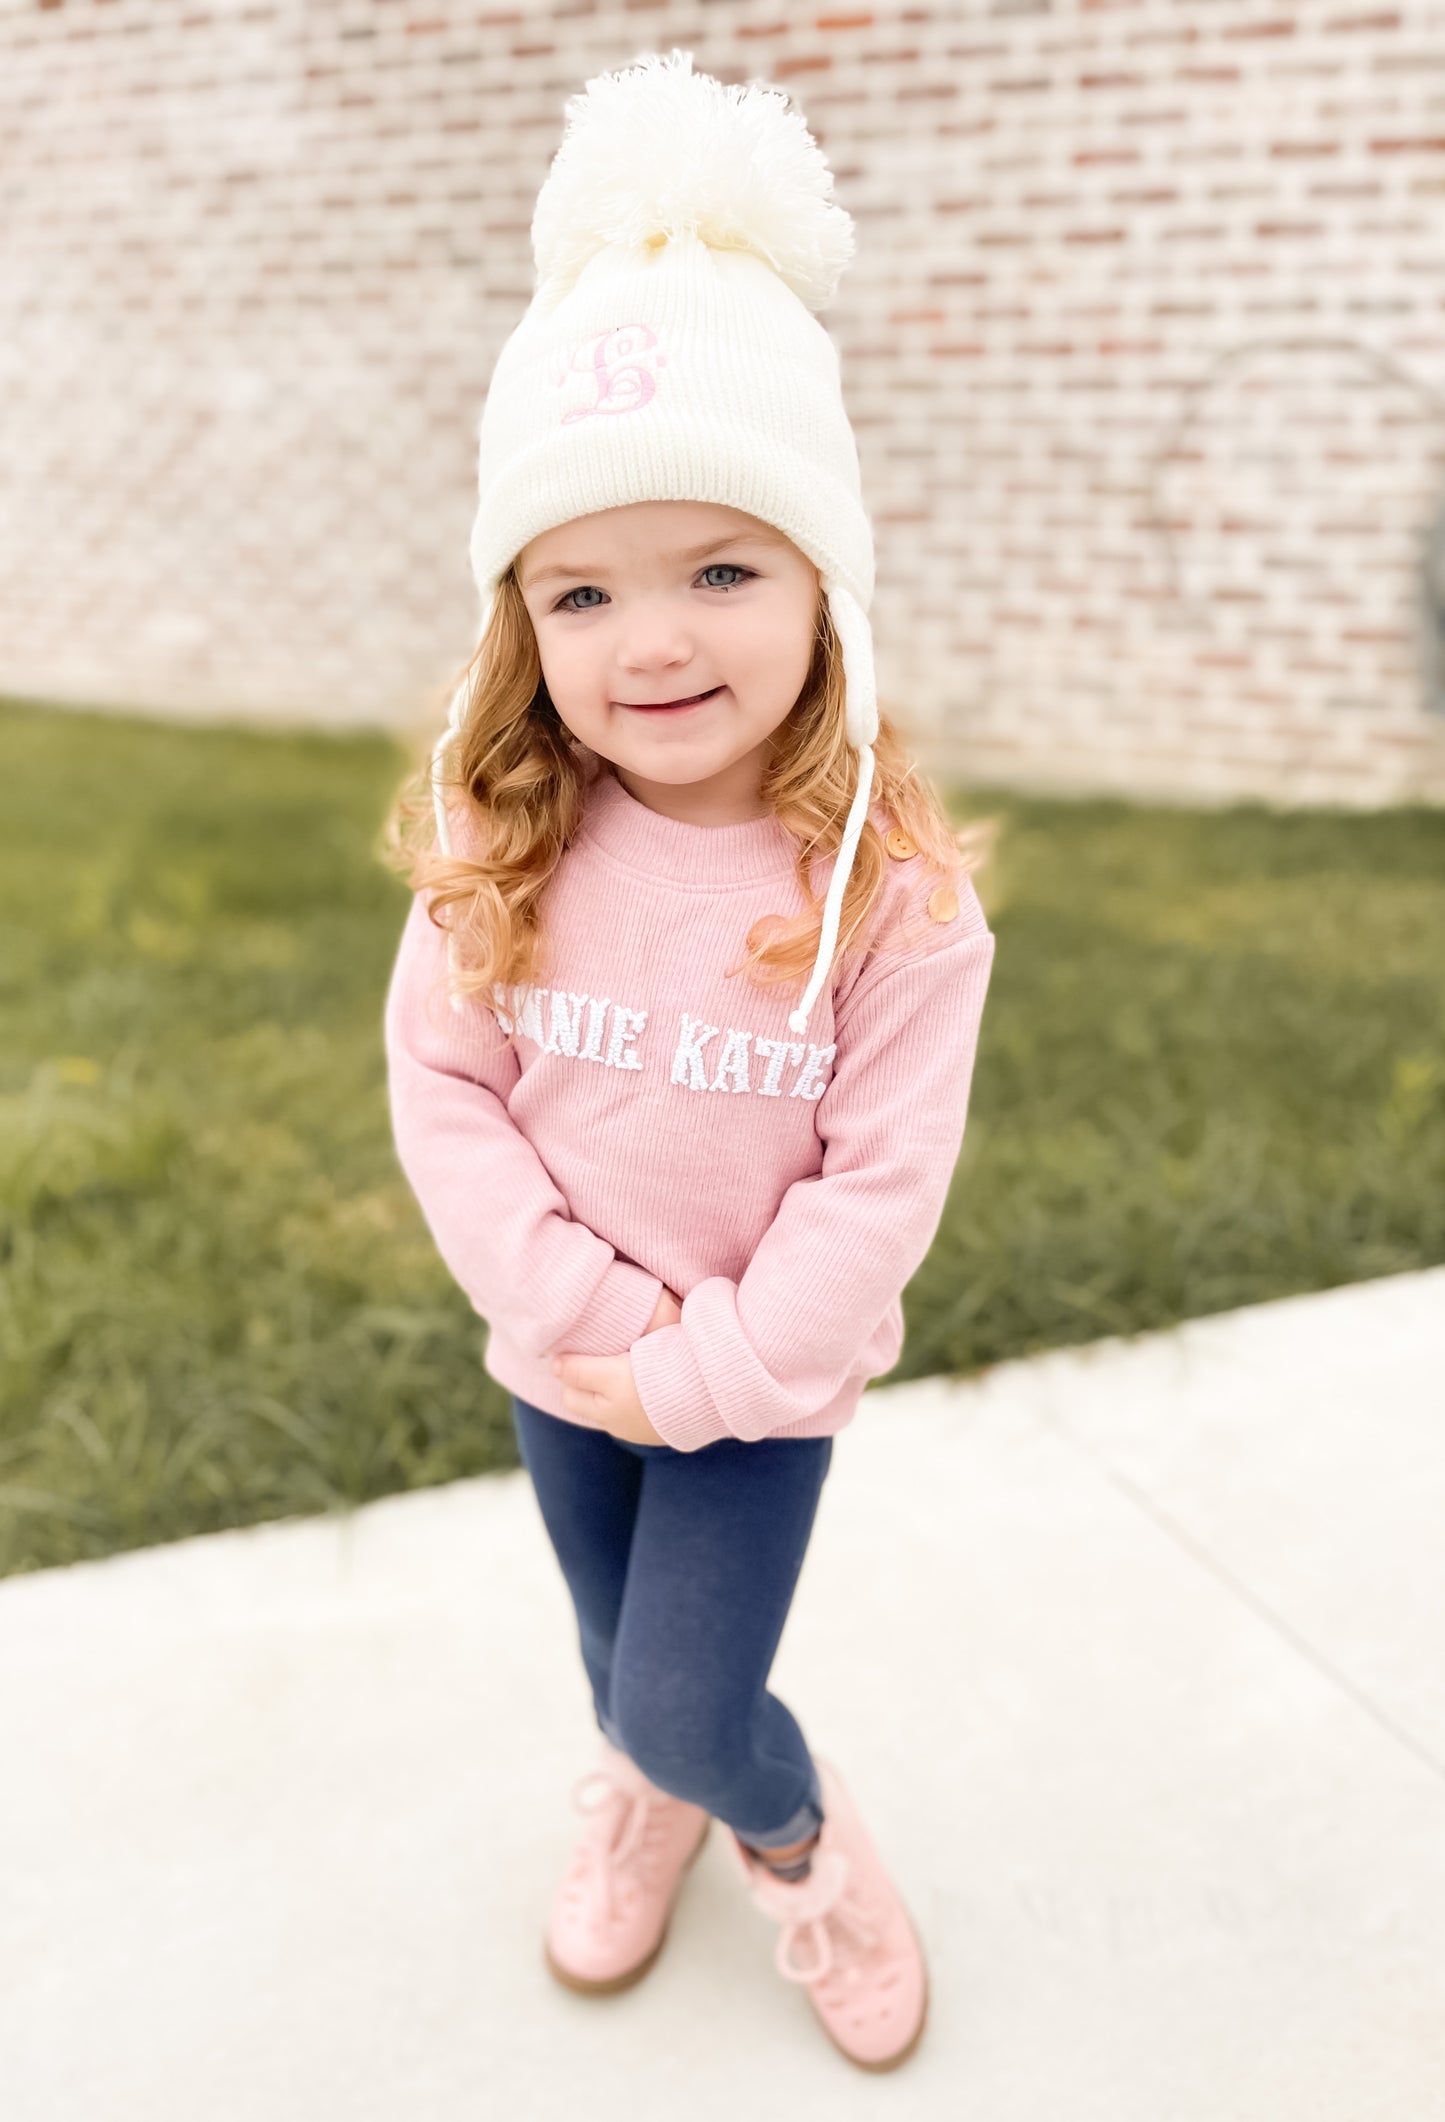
(657, 1123)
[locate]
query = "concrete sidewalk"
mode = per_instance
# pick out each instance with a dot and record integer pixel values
(1162, 1776)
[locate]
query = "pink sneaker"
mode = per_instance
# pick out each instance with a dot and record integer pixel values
(610, 1915)
(847, 1935)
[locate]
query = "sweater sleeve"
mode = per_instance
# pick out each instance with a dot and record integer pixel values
(750, 1357)
(499, 1221)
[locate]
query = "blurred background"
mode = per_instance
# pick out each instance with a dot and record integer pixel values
(1143, 348)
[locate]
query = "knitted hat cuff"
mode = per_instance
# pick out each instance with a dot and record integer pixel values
(558, 479)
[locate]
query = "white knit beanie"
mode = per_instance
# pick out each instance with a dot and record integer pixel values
(683, 239)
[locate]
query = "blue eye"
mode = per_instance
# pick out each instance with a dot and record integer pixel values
(564, 603)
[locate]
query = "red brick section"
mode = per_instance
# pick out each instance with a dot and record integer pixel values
(1144, 346)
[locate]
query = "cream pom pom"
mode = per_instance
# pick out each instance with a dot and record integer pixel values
(654, 150)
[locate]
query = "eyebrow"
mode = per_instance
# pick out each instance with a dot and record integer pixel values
(558, 572)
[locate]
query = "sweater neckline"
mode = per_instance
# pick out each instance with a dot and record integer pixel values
(645, 841)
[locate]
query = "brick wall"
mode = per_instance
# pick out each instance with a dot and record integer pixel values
(1144, 346)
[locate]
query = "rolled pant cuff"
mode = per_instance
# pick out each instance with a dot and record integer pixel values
(805, 1822)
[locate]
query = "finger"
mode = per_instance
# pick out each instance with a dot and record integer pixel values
(579, 1370)
(579, 1401)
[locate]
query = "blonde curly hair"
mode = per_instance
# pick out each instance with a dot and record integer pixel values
(514, 795)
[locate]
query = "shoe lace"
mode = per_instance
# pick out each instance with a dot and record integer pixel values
(614, 1846)
(825, 1912)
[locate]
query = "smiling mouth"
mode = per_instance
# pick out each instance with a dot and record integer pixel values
(656, 707)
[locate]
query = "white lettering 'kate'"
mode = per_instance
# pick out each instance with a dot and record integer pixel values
(572, 1026)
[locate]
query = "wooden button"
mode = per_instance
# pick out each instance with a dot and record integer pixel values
(898, 844)
(943, 904)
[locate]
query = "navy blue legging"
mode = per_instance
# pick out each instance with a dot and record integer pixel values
(682, 1566)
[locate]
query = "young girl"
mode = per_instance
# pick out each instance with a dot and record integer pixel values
(685, 1197)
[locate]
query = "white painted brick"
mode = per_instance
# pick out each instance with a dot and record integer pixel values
(255, 271)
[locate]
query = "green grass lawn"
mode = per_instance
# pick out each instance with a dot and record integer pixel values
(1211, 1073)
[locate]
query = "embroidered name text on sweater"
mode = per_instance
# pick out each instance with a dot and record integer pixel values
(655, 1122)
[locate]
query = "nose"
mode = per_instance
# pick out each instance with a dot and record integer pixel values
(653, 638)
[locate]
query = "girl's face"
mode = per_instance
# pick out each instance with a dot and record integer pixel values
(659, 602)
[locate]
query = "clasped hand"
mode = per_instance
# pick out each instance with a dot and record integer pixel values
(603, 1390)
